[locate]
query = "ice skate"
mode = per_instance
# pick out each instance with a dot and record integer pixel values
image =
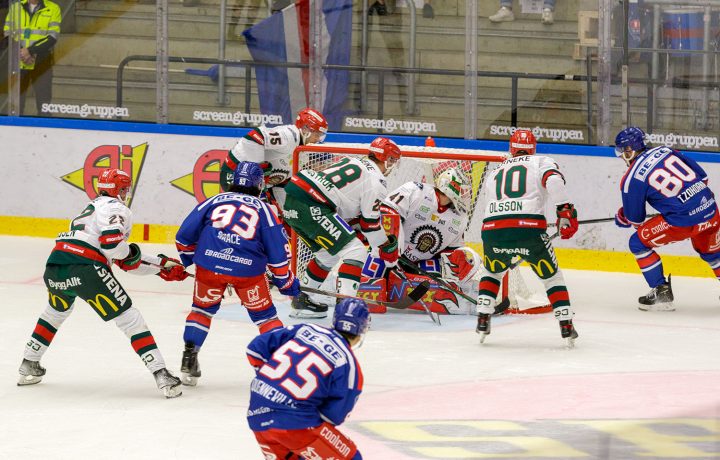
(483, 326)
(659, 298)
(568, 332)
(168, 383)
(31, 372)
(303, 307)
(190, 366)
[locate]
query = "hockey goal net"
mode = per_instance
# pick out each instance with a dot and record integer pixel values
(424, 164)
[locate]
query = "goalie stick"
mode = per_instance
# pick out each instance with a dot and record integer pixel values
(499, 308)
(413, 296)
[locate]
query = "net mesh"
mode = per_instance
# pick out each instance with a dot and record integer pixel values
(421, 164)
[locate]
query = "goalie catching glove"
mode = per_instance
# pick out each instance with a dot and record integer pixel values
(171, 269)
(460, 265)
(567, 223)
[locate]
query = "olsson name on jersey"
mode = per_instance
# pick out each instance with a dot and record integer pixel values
(509, 206)
(112, 284)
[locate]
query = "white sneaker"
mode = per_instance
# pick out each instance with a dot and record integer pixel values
(547, 16)
(505, 14)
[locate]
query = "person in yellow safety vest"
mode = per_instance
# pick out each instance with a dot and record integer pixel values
(38, 31)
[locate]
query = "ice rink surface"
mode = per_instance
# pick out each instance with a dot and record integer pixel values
(638, 385)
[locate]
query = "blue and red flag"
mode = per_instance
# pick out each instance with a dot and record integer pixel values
(285, 37)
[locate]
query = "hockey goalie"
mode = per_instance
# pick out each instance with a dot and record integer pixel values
(428, 222)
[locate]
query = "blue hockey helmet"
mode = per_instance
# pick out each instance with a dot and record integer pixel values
(351, 316)
(249, 175)
(629, 143)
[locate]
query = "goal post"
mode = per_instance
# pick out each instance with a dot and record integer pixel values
(419, 164)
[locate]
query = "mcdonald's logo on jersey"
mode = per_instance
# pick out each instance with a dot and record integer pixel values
(495, 266)
(204, 180)
(538, 268)
(57, 302)
(326, 243)
(97, 304)
(124, 157)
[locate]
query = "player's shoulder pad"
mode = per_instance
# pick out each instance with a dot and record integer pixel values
(255, 135)
(106, 206)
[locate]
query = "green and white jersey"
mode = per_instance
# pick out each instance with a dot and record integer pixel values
(426, 229)
(354, 187)
(516, 192)
(271, 148)
(100, 231)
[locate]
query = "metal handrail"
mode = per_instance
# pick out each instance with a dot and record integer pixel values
(382, 71)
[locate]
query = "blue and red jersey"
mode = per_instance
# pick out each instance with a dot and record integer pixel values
(305, 374)
(672, 183)
(234, 234)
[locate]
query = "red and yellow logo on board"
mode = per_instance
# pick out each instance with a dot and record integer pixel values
(203, 181)
(125, 157)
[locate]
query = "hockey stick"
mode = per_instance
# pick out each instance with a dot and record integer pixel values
(413, 296)
(191, 275)
(600, 220)
(433, 316)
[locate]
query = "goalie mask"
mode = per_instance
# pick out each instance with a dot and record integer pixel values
(312, 125)
(522, 142)
(115, 183)
(385, 151)
(352, 317)
(450, 184)
(629, 143)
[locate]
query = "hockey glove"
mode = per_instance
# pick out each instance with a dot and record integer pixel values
(620, 219)
(289, 285)
(567, 222)
(172, 269)
(389, 251)
(133, 259)
(458, 265)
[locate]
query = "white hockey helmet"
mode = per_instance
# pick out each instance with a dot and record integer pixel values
(450, 184)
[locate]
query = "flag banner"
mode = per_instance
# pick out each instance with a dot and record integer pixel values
(285, 37)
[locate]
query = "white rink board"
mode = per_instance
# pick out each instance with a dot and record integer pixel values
(35, 159)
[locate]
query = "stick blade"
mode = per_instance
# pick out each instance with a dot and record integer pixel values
(413, 296)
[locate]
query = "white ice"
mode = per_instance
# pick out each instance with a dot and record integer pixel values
(637, 385)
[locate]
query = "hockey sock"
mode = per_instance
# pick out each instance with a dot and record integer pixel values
(348, 279)
(315, 274)
(649, 262)
(489, 286)
(558, 295)
(197, 324)
(42, 336)
(131, 322)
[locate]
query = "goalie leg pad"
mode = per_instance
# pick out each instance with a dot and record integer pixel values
(438, 299)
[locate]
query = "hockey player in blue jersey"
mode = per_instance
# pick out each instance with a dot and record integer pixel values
(677, 187)
(307, 381)
(232, 238)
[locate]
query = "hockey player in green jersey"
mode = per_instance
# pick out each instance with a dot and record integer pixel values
(319, 207)
(79, 266)
(514, 225)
